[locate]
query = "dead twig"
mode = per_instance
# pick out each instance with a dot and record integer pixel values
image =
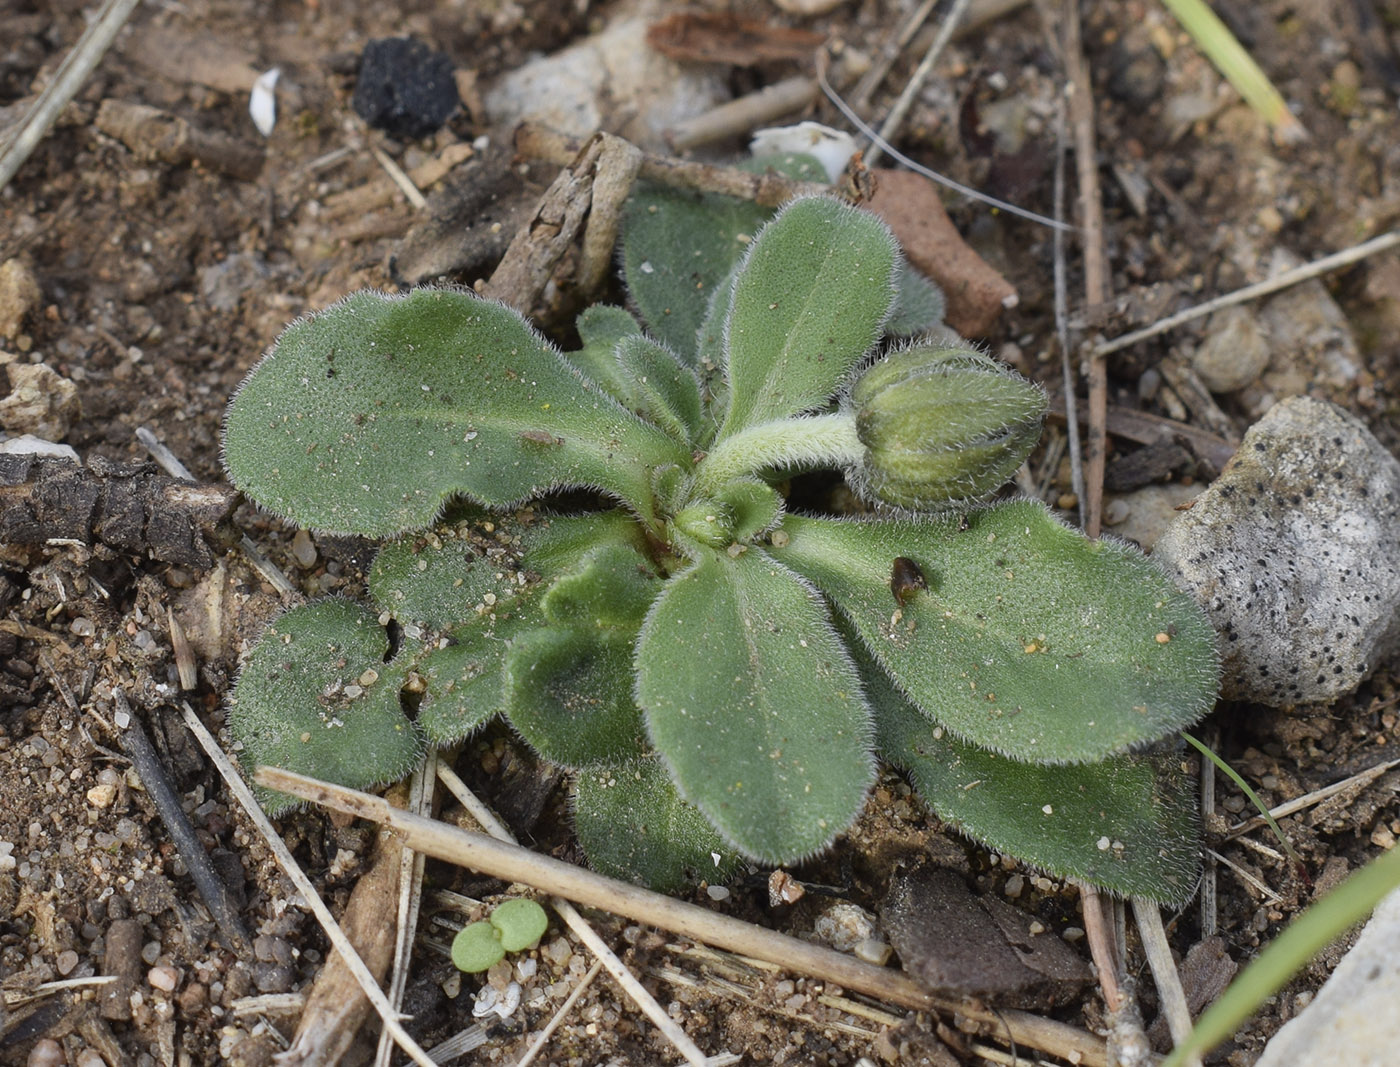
(739, 116)
(1081, 110)
(1164, 974)
(512, 863)
(768, 190)
(336, 1008)
(67, 80)
(1145, 428)
(303, 884)
(559, 1016)
(153, 135)
(410, 895)
(916, 82)
(1356, 782)
(207, 882)
(1288, 278)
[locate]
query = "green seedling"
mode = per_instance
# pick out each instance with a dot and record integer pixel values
(721, 672)
(511, 927)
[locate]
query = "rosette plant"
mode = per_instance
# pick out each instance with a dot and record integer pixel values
(720, 670)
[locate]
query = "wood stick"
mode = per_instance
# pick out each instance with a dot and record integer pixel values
(298, 877)
(67, 80)
(513, 863)
(211, 887)
(768, 190)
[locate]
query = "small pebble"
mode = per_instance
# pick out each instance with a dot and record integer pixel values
(164, 978)
(46, 1053)
(1115, 512)
(67, 960)
(1233, 804)
(485, 1002)
(717, 892)
(1015, 886)
(90, 1057)
(303, 549)
(873, 950)
(82, 627)
(150, 952)
(102, 795)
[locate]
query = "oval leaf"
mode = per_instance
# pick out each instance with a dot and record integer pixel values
(317, 697)
(1126, 824)
(367, 417)
(810, 299)
(633, 825)
(1029, 639)
(753, 702)
(521, 923)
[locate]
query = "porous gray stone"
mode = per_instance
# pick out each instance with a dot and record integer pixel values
(1294, 552)
(1353, 1020)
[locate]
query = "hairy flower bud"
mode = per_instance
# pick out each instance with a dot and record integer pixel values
(942, 425)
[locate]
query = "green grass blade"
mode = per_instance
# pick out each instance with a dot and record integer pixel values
(1305, 937)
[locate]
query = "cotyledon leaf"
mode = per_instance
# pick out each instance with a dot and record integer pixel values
(367, 417)
(755, 706)
(1029, 640)
(1126, 824)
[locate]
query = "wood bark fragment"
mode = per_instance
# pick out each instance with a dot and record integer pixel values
(133, 508)
(769, 190)
(976, 292)
(158, 136)
(336, 1008)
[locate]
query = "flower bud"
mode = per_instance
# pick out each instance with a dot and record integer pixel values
(942, 425)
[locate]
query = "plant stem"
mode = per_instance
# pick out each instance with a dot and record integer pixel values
(815, 441)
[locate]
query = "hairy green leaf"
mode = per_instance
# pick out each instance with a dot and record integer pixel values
(663, 391)
(918, 307)
(466, 590)
(1126, 824)
(677, 247)
(600, 328)
(369, 416)
(317, 697)
(1028, 639)
(633, 825)
(809, 301)
(754, 505)
(454, 572)
(568, 684)
(754, 704)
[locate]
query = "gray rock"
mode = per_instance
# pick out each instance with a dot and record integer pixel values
(1312, 348)
(613, 80)
(1151, 510)
(1353, 1020)
(1294, 552)
(1234, 351)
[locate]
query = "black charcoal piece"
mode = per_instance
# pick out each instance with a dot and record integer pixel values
(405, 88)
